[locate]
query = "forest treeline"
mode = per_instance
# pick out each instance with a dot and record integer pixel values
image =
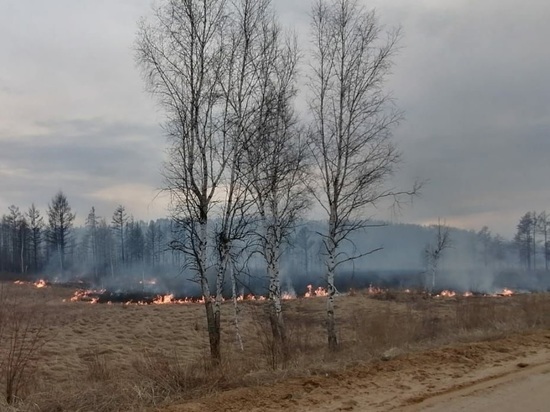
(48, 243)
(35, 242)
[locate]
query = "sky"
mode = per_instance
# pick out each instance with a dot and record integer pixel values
(471, 76)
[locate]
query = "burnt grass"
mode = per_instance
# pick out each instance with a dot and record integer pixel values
(132, 297)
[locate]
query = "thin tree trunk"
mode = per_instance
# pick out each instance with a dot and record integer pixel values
(433, 270)
(331, 288)
(60, 252)
(35, 248)
(22, 254)
(212, 319)
(213, 329)
(236, 311)
(534, 242)
(111, 261)
(545, 245)
(331, 322)
(276, 312)
(224, 259)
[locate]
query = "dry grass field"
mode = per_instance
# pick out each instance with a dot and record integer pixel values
(115, 357)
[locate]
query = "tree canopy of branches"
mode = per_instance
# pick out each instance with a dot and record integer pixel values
(60, 221)
(199, 59)
(14, 238)
(434, 252)
(352, 122)
(276, 157)
(526, 240)
(36, 225)
(118, 222)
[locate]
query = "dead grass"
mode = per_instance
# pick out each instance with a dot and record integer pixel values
(110, 357)
(23, 333)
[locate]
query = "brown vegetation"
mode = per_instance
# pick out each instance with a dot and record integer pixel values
(22, 334)
(117, 357)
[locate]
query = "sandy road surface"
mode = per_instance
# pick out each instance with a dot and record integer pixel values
(527, 390)
(507, 374)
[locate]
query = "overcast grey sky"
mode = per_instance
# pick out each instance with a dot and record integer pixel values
(473, 78)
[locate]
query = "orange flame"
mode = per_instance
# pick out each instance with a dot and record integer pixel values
(163, 299)
(506, 292)
(314, 293)
(85, 296)
(40, 283)
(90, 296)
(374, 290)
(447, 294)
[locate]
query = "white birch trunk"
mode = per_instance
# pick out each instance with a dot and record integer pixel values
(331, 289)
(222, 270)
(273, 271)
(434, 272)
(236, 311)
(271, 252)
(213, 328)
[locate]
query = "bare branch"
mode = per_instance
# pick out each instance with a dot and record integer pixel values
(352, 121)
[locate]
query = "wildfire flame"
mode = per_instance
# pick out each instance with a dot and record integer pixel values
(40, 283)
(170, 299)
(93, 296)
(317, 292)
(374, 290)
(85, 296)
(506, 292)
(447, 294)
(163, 300)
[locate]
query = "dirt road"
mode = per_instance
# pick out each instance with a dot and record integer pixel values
(521, 390)
(507, 374)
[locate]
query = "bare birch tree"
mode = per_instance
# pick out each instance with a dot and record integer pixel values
(200, 59)
(277, 158)
(182, 58)
(351, 126)
(434, 252)
(239, 89)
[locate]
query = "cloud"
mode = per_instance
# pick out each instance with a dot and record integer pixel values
(81, 157)
(472, 82)
(141, 200)
(472, 78)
